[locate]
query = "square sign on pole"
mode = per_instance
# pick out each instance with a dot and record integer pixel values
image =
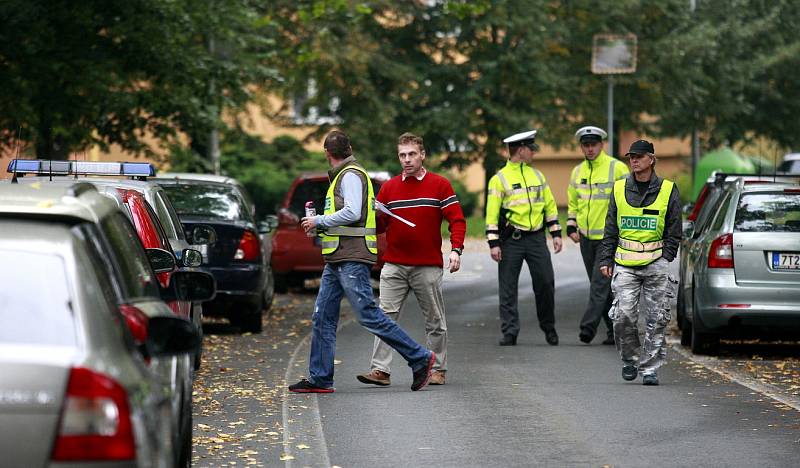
(613, 54)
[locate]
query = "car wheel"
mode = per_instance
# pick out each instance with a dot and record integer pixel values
(702, 343)
(269, 293)
(281, 283)
(185, 456)
(680, 307)
(686, 330)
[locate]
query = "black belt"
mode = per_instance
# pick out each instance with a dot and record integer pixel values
(519, 233)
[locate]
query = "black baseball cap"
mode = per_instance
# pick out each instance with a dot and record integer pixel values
(641, 147)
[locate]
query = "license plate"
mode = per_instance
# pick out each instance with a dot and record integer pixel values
(785, 261)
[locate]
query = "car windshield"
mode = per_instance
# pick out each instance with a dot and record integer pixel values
(768, 212)
(35, 305)
(207, 201)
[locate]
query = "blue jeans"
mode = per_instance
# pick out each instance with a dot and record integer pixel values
(351, 279)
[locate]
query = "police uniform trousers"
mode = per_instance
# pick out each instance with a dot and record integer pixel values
(599, 290)
(531, 248)
(657, 289)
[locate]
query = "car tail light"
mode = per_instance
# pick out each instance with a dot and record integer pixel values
(791, 190)
(721, 253)
(136, 320)
(698, 204)
(734, 306)
(95, 420)
(249, 247)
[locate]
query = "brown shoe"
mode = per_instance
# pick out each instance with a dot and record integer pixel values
(375, 377)
(437, 378)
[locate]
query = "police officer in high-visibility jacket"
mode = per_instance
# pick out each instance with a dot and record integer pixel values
(588, 194)
(519, 209)
(641, 237)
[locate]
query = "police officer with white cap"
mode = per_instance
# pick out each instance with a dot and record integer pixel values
(519, 209)
(588, 194)
(642, 234)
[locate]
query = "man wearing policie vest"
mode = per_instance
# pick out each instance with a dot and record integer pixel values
(642, 234)
(520, 208)
(350, 248)
(588, 194)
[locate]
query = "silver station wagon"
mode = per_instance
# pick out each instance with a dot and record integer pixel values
(75, 388)
(742, 272)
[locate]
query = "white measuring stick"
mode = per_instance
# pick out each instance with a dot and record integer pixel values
(383, 208)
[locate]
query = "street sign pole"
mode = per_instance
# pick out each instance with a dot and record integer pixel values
(611, 114)
(613, 55)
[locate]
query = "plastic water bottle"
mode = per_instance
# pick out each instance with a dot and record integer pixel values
(311, 211)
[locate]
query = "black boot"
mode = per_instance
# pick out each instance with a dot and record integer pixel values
(508, 340)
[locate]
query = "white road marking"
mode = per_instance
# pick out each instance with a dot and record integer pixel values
(711, 364)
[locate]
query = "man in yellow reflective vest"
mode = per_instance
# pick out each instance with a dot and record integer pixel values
(519, 209)
(589, 191)
(349, 247)
(641, 237)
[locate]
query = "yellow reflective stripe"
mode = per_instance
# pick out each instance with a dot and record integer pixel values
(555, 228)
(592, 232)
(611, 172)
(594, 196)
(495, 193)
(492, 236)
(350, 231)
(519, 191)
(372, 244)
(572, 222)
(521, 201)
(492, 227)
(330, 244)
(503, 181)
(551, 218)
(637, 256)
(637, 246)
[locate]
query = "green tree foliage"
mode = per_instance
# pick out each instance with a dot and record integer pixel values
(100, 72)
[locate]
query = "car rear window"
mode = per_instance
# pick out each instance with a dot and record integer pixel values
(207, 201)
(35, 300)
(768, 212)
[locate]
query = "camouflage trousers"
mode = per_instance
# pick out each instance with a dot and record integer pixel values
(656, 288)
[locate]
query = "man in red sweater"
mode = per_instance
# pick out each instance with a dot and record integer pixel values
(413, 258)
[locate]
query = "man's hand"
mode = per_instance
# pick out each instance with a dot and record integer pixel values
(308, 223)
(575, 237)
(607, 271)
(454, 262)
(557, 244)
(496, 254)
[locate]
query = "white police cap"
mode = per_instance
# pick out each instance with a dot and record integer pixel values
(522, 136)
(591, 132)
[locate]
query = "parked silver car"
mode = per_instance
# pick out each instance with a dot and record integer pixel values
(133, 285)
(75, 389)
(742, 273)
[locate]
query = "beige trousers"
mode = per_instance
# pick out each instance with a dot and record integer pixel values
(426, 282)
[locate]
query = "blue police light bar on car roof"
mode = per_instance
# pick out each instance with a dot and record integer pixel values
(44, 167)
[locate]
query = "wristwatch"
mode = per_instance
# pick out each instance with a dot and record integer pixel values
(458, 251)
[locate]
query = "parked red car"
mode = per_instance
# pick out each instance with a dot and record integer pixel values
(295, 256)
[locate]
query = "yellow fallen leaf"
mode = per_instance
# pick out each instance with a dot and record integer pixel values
(337, 362)
(302, 446)
(286, 456)
(204, 427)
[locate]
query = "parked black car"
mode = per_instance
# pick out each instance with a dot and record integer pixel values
(239, 259)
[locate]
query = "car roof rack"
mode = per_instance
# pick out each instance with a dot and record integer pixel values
(44, 167)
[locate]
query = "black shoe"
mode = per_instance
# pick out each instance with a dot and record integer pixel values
(422, 375)
(585, 337)
(508, 340)
(650, 379)
(609, 341)
(629, 371)
(304, 386)
(552, 337)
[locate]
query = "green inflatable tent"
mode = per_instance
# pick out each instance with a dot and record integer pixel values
(723, 159)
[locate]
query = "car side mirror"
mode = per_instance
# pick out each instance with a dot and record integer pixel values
(191, 258)
(160, 260)
(192, 286)
(202, 234)
(264, 227)
(168, 336)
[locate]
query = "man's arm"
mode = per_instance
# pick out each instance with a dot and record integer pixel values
(673, 230)
(608, 245)
(494, 200)
(572, 204)
(351, 212)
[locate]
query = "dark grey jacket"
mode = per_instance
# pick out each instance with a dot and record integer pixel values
(672, 223)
